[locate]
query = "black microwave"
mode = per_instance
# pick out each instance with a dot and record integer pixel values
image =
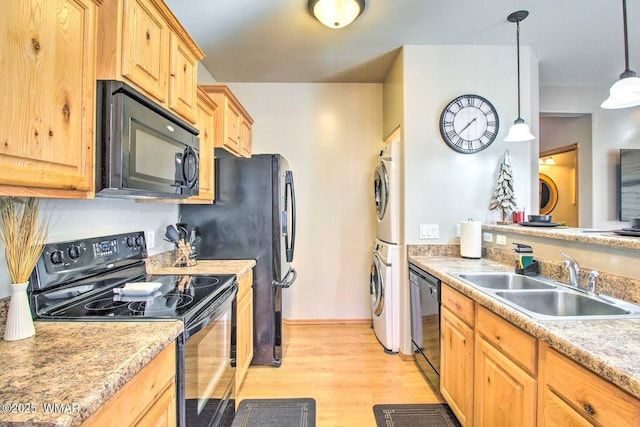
(142, 150)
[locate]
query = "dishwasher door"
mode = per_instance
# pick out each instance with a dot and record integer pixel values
(425, 323)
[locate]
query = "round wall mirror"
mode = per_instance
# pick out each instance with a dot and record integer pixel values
(548, 193)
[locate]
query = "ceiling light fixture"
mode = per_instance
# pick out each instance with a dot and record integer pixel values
(520, 130)
(336, 13)
(626, 91)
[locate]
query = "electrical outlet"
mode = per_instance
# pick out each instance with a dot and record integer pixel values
(151, 239)
(429, 231)
(501, 239)
(457, 230)
(487, 237)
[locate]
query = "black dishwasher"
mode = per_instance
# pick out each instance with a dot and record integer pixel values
(425, 323)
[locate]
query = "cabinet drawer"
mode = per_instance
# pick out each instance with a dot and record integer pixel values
(509, 339)
(458, 304)
(596, 399)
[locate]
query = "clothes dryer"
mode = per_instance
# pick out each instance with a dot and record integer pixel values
(386, 188)
(384, 288)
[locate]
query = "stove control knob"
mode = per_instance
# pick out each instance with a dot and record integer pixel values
(131, 242)
(57, 257)
(74, 252)
(139, 241)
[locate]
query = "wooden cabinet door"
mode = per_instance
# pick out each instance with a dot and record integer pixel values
(183, 79)
(505, 394)
(245, 137)
(48, 53)
(145, 50)
(244, 348)
(233, 119)
(456, 366)
(205, 124)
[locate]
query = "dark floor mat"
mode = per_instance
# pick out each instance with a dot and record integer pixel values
(415, 415)
(276, 413)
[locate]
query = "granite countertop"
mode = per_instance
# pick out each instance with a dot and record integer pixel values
(159, 264)
(582, 235)
(77, 365)
(610, 348)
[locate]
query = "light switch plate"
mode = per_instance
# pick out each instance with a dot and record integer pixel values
(429, 231)
(487, 237)
(501, 239)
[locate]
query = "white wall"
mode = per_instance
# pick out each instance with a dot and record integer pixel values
(612, 130)
(445, 187)
(73, 219)
(330, 134)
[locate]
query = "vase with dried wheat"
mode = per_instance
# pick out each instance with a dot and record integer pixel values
(23, 234)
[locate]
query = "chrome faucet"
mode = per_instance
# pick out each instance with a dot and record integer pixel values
(574, 270)
(593, 276)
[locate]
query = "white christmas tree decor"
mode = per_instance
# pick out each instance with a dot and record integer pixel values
(503, 196)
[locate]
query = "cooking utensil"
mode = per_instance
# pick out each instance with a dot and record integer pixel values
(171, 234)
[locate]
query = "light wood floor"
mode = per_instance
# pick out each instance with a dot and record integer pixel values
(344, 368)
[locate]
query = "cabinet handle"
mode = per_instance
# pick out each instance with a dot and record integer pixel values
(589, 409)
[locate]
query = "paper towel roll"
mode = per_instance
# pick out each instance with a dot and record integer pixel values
(470, 239)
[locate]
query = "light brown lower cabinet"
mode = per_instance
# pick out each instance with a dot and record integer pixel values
(244, 330)
(456, 368)
(149, 399)
(515, 379)
(505, 386)
(571, 395)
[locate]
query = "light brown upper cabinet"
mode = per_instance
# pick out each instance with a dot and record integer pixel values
(233, 123)
(205, 124)
(142, 43)
(48, 82)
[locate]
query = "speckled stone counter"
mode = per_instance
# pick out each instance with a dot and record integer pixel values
(610, 348)
(77, 365)
(161, 264)
(582, 235)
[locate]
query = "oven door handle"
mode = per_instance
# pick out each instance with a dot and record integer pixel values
(205, 317)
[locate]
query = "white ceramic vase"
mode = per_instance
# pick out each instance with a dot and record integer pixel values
(19, 321)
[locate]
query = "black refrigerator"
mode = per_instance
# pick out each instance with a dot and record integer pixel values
(253, 217)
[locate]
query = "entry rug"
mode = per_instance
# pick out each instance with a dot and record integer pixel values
(415, 415)
(276, 413)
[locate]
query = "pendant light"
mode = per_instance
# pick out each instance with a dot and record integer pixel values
(336, 13)
(519, 132)
(626, 91)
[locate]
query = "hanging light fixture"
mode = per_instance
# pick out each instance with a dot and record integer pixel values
(336, 13)
(626, 91)
(520, 130)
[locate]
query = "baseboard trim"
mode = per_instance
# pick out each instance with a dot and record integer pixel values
(406, 357)
(327, 321)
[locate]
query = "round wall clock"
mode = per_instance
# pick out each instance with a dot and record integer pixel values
(469, 124)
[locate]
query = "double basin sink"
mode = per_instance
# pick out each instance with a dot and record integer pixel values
(545, 299)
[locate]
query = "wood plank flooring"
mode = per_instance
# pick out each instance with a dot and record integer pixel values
(344, 368)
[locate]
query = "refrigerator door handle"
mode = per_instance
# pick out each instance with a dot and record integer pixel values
(288, 280)
(291, 190)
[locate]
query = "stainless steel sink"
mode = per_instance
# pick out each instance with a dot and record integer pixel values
(505, 280)
(545, 299)
(561, 303)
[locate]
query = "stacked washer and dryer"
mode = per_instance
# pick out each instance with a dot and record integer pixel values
(384, 283)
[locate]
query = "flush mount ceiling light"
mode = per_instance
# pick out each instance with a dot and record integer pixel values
(520, 130)
(336, 13)
(626, 91)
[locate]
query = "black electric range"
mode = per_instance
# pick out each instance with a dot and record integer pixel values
(104, 279)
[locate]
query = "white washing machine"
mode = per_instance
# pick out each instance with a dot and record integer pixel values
(386, 188)
(384, 288)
